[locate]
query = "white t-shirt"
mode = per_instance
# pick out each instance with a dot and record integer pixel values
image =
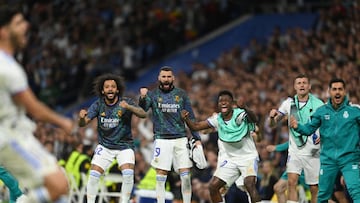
(235, 150)
(309, 148)
(13, 80)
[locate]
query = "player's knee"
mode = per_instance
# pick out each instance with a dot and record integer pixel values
(56, 184)
(128, 176)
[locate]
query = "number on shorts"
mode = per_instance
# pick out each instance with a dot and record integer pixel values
(98, 150)
(157, 151)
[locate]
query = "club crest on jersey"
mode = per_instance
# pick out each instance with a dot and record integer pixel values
(160, 100)
(103, 114)
(119, 113)
(346, 114)
(177, 98)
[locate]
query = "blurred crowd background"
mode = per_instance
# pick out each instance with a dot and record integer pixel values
(73, 41)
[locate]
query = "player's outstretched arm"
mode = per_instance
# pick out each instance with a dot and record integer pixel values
(195, 126)
(40, 112)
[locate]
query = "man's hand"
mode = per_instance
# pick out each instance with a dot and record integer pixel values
(273, 113)
(143, 92)
(293, 122)
(82, 113)
(82, 117)
(184, 114)
(270, 148)
(124, 104)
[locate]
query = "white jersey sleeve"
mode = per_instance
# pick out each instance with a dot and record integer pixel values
(284, 108)
(213, 120)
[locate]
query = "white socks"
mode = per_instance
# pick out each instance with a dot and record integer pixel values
(127, 184)
(160, 188)
(92, 186)
(186, 186)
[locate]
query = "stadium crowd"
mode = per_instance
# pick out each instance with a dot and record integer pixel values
(67, 51)
(64, 50)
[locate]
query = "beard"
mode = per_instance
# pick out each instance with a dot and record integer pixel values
(110, 99)
(17, 41)
(166, 86)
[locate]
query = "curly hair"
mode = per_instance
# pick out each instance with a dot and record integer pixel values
(99, 83)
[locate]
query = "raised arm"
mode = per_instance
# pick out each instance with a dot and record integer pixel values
(83, 119)
(143, 99)
(138, 111)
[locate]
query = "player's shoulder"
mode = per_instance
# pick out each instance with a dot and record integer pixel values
(287, 100)
(316, 99)
(239, 111)
(356, 106)
(9, 66)
(179, 91)
(323, 108)
(98, 101)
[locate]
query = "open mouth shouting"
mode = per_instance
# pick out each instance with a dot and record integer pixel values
(110, 95)
(338, 99)
(224, 109)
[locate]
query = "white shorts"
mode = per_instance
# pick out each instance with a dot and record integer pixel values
(103, 157)
(230, 171)
(169, 152)
(310, 165)
(26, 158)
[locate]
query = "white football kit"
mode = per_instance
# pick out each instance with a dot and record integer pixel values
(21, 153)
(306, 157)
(235, 159)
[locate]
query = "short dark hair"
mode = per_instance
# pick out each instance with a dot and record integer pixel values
(225, 92)
(166, 68)
(7, 12)
(335, 80)
(301, 75)
(99, 83)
